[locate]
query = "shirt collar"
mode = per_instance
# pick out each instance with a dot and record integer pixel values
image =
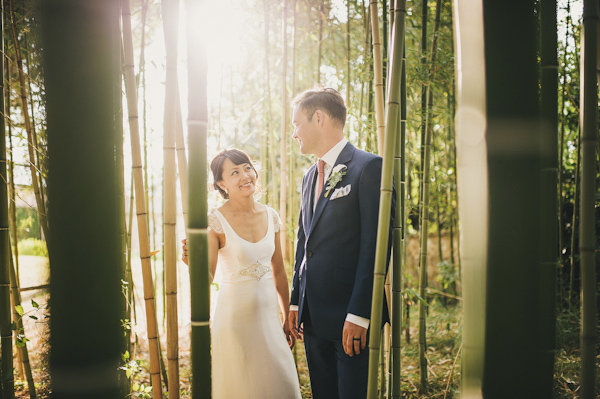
(332, 155)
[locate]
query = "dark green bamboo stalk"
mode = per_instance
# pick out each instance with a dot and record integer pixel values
(498, 133)
(7, 377)
(549, 186)
(587, 215)
(561, 147)
(576, 190)
(197, 201)
(84, 268)
(385, 202)
(399, 231)
(424, 226)
(125, 309)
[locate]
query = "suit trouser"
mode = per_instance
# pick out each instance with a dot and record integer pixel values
(334, 374)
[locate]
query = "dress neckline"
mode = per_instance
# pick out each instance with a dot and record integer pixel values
(243, 239)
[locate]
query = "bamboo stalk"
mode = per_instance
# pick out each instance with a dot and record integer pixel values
(378, 69)
(124, 303)
(425, 208)
(31, 140)
(170, 9)
(271, 148)
(349, 55)
(549, 183)
(7, 378)
(399, 230)
(587, 237)
(198, 220)
(181, 158)
(142, 220)
(321, 15)
(22, 350)
(385, 202)
(283, 140)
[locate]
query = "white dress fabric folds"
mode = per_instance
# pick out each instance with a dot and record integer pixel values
(251, 357)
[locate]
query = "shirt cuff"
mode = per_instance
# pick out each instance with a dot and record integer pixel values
(360, 321)
(293, 308)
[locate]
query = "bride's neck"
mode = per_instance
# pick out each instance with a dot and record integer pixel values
(243, 204)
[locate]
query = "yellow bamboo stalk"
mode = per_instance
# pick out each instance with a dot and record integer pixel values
(170, 9)
(378, 69)
(31, 140)
(142, 218)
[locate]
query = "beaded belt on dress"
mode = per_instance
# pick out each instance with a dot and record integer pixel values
(257, 270)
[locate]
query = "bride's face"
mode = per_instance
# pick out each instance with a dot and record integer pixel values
(238, 180)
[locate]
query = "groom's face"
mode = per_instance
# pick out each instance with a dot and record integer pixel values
(305, 132)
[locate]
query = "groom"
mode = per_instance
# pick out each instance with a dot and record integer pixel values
(337, 232)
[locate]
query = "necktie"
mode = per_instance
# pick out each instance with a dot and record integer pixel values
(321, 176)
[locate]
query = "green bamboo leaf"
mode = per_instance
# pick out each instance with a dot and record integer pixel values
(35, 304)
(135, 387)
(33, 317)
(129, 373)
(148, 389)
(19, 310)
(413, 293)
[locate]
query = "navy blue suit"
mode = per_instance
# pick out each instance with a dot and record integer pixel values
(333, 272)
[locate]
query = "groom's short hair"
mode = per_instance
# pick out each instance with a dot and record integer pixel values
(322, 98)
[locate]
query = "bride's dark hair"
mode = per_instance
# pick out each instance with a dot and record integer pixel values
(238, 157)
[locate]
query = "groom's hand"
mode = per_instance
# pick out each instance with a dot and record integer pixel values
(354, 338)
(293, 320)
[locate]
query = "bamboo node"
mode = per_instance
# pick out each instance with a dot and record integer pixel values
(169, 223)
(200, 323)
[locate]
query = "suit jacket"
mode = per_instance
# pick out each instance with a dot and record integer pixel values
(335, 256)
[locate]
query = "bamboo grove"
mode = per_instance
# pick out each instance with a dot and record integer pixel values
(489, 141)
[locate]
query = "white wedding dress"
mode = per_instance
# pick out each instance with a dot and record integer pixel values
(251, 357)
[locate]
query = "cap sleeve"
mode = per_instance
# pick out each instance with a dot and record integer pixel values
(214, 223)
(276, 220)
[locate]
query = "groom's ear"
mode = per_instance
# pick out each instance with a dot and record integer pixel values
(319, 117)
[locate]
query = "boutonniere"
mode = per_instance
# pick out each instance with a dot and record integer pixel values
(335, 177)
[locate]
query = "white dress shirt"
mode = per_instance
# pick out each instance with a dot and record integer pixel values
(330, 158)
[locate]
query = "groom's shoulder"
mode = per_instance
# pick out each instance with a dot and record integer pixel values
(364, 156)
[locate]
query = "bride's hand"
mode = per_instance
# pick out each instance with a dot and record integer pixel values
(184, 257)
(288, 334)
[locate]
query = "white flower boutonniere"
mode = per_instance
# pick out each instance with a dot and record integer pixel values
(335, 177)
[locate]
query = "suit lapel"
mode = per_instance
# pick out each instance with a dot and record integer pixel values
(309, 196)
(344, 158)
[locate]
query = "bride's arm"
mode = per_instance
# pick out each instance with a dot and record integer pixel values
(281, 285)
(213, 252)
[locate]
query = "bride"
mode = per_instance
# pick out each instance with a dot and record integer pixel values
(251, 358)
